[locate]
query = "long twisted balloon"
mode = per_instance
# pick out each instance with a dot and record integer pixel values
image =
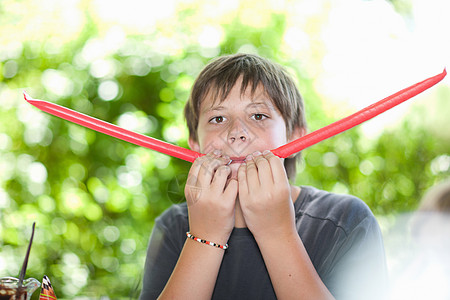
(283, 151)
(357, 118)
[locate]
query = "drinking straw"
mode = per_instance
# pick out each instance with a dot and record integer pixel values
(283, 151)
(23, 270)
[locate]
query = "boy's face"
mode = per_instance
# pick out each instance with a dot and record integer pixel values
(240, 125)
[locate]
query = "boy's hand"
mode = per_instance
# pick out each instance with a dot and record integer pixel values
(210, 201)
(265, 196)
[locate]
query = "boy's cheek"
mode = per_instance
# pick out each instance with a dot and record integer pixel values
(209, 146)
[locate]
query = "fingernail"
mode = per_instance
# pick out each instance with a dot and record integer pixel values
(266, 152)
(217, 152)
(256, 153)
(249, 157)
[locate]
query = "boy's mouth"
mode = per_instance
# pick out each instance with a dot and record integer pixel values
(239, 160)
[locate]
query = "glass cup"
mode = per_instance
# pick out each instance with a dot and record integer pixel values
(9, 288)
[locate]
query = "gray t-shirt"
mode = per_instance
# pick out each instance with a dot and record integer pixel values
(339, 232)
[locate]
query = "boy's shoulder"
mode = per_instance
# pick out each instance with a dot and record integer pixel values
(175, 215)
(345, 211)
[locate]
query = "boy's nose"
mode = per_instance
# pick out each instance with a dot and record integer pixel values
(238, 133)
(241, 137)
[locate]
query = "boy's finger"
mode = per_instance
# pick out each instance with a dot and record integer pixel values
(231, 190)
(208, 169)
(242, 180)
(196, 167)
(252, 172)
(193, 171)
(220, 178)
(276, 165)
(264, 170)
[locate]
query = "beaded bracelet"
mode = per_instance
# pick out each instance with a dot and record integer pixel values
(189, 235)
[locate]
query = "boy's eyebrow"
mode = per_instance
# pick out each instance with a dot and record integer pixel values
(212, 108)
(263, 104)
(257, 104)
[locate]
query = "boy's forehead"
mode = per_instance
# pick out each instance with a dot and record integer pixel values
(215, 98)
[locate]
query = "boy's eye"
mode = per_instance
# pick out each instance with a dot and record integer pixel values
(259, 117)
(217, 120)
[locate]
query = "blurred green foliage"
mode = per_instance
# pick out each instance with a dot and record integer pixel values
(94, 198)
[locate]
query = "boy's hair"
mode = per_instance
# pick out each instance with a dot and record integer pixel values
(220, 75)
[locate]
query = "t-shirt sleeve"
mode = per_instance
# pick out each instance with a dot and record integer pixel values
(360, 269)
(164, 248)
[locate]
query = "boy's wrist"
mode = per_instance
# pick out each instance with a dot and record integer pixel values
(279, 237)
(223, 246)
(216, 237)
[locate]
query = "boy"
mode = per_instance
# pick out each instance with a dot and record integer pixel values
(244, 231)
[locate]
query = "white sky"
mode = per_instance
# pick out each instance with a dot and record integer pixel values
(373, 52)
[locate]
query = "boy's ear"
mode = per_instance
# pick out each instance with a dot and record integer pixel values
(194, 145)
(296, 134)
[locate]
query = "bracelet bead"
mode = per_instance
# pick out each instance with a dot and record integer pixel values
(189, 235)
